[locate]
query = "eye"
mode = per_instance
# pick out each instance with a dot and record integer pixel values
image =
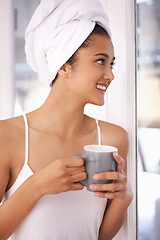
(101, 61)
(112, 65)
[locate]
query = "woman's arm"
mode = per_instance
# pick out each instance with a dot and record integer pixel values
(17, 207)
(59, 176)
(119, 193)
(13, 211)
(118, 202)
(113, 219)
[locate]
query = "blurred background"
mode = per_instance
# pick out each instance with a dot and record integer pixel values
(148, 106)
(28, 93)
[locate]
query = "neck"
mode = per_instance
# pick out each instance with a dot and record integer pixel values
(62, 113)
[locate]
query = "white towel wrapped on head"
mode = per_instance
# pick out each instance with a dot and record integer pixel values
(57, 29)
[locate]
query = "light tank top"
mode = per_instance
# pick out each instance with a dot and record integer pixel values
(73, 215)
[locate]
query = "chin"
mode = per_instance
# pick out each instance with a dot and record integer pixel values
(98, 103)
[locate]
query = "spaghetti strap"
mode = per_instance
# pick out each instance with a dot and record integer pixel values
(99, 133)
(26, 138)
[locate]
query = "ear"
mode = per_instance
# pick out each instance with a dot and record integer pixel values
(65, 70)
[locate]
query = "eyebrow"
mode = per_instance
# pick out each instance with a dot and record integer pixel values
(105, 55)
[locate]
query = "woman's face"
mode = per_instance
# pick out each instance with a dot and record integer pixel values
(92, 73)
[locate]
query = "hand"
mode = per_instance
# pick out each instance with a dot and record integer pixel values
(61, 175)
(119, 188)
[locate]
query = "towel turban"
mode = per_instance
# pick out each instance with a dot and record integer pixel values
(57, 29)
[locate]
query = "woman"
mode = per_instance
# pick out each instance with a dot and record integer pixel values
(39, 179)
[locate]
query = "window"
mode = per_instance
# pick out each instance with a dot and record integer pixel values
(30, 93)
(148, 16)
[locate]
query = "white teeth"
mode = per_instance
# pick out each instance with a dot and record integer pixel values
(101, 87)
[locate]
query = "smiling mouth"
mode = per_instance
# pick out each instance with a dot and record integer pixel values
(101, 86)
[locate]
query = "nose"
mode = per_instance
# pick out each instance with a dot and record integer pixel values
(109, 74)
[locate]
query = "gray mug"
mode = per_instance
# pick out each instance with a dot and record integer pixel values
(98, 158)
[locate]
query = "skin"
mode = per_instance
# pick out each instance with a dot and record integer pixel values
(60, 120)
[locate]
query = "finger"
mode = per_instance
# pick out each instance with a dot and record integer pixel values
(76, 170)
(108, 176)
(108, 195)
(79, 177)
(112, 187)
(74, 162)
(120, 161)
(114, 176)
(76, 186)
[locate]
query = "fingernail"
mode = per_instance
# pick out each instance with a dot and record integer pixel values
(97, 194)
(93, 187)
(96, 177)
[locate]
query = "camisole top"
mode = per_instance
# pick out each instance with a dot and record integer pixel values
(72, 215)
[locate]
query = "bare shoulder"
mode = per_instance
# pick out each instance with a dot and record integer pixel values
(116, 136)
(10, 131)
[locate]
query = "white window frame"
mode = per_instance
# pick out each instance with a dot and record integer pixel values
(121, 99)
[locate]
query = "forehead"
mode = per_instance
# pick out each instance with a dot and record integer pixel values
(100, 44)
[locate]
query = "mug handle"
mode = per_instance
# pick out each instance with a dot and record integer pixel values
(83, 182)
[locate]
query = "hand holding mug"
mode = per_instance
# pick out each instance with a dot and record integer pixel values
(118, 188)
(60, 176)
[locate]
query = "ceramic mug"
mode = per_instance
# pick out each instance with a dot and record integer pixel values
(97, 158)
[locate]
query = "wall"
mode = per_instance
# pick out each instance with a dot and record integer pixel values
(6, 60)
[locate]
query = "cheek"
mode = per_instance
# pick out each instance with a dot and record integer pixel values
(91, 72)
(86, 75)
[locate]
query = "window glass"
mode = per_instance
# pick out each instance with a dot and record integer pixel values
(30, 93)
(148, 30)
